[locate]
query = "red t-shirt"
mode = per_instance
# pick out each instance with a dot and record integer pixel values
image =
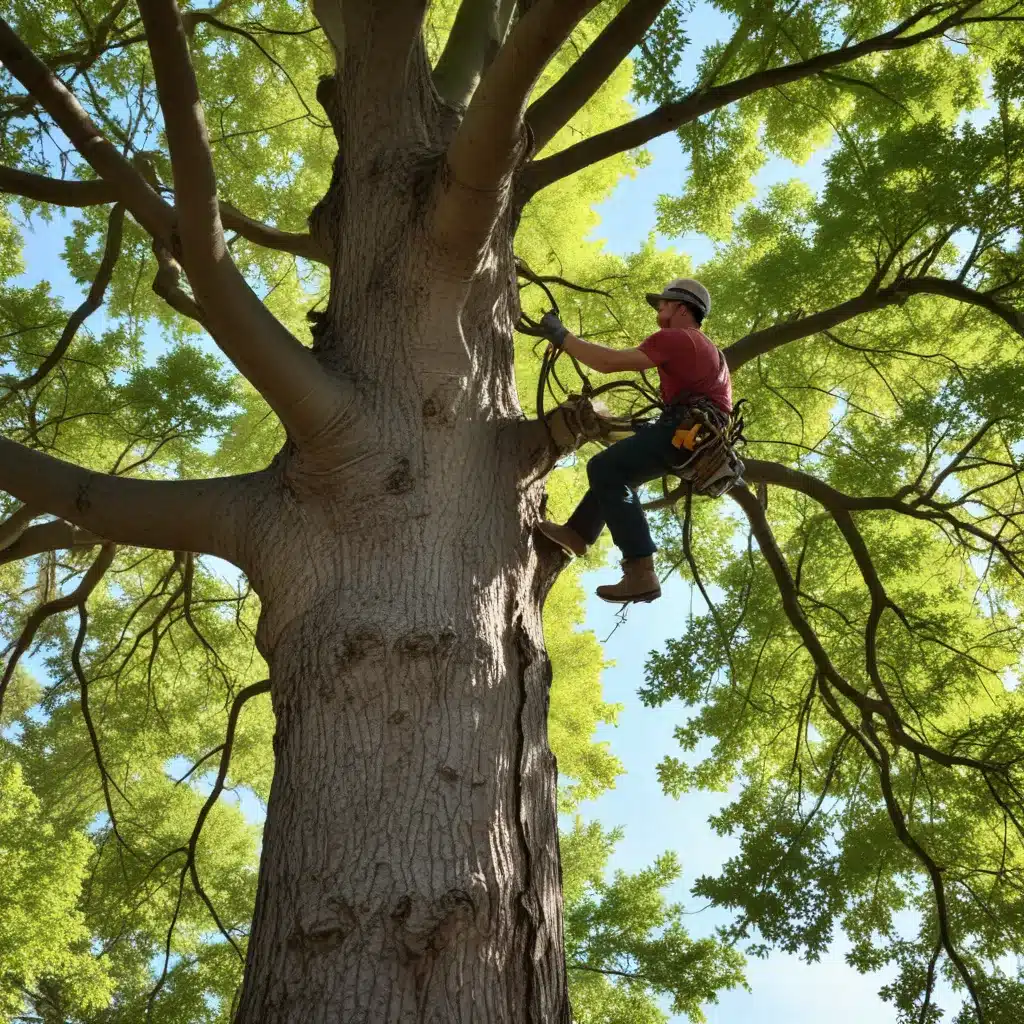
(688, 361)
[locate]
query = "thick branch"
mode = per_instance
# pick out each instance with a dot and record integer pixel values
(286, 373)
(295, 242)
(569, 94)
(332, 20)
(476, 36)
(72, 192)
(53, 536)
(182, 515)
(131, 188)
(758, 343)
(671, 116)
(490, 140)
(13, 528)
(58, 191)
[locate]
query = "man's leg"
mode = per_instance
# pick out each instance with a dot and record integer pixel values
(614, 475)
(587, 520)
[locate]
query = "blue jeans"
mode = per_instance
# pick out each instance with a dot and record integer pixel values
(614, 476)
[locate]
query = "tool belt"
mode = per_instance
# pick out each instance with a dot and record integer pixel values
(706, 438)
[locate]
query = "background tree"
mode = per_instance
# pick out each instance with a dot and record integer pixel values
(376, 491)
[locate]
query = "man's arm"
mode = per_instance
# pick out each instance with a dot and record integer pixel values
(597, 357)
(604, 359)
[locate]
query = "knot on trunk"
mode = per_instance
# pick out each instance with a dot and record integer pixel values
(423, 644)
(322, 930)
(427, 927)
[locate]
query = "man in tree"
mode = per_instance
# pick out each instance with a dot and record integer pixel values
(690, 368)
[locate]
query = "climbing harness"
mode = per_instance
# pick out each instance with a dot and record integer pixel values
(707, 438)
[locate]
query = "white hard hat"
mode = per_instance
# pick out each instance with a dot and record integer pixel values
(684, 289)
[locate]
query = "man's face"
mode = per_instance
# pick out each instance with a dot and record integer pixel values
(667, 311)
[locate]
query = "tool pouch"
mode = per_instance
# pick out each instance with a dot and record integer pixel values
(705, 437)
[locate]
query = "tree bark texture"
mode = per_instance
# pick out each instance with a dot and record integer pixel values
(410, 859)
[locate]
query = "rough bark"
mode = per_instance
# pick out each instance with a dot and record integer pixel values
(409, 868)
(410, 858)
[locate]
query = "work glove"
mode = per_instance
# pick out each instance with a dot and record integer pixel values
(553, 328)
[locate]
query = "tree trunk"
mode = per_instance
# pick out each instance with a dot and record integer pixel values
(410, 857)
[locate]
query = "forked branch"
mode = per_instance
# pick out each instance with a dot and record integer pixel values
(306, 399)
(491, 138)
(671, 116)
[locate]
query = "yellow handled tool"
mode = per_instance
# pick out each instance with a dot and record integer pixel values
(686, 437)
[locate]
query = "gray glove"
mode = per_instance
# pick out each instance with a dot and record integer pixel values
(553, 328)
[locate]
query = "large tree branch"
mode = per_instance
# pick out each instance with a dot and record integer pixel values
(179, 515)
(72, 192)
(58, 191)
(671, 116)
(476, 36)
(489, 142)
(332, 20)
(56, 535)
(296, 242)
(307, 400)
(867, 705)
(569, 94)
(759, 343)
(131, 188)
(924, 508)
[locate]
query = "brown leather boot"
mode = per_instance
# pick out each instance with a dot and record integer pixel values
(639, 583)
(565, 537)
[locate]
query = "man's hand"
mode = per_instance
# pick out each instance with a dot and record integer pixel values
(554, 330)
